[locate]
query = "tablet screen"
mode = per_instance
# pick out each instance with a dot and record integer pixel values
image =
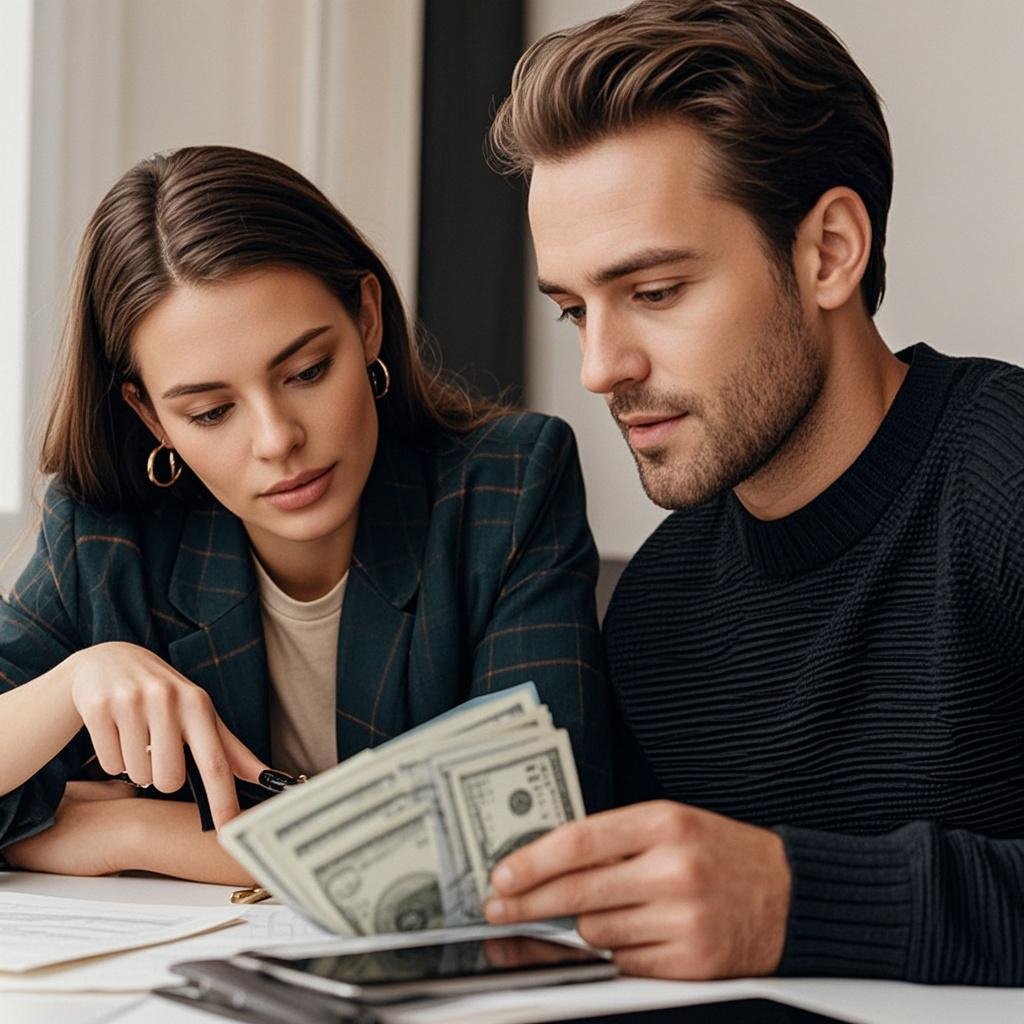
(451, 960)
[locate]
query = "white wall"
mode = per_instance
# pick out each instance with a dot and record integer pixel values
(329, 86)
(15, 101)
(952, 78)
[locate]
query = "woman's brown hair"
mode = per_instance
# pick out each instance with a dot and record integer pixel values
(196, 215)
(788, 113)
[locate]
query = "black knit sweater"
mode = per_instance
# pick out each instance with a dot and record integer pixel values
(853, 675)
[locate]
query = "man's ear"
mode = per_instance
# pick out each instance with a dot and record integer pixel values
(134, 396)
(832, 248)
(370, 320)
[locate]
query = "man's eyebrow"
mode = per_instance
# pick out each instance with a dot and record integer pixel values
(645, 259)
(289, 350)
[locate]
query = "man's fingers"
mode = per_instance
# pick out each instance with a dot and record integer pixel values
(579, 892)
(597, 839)
(632, 926)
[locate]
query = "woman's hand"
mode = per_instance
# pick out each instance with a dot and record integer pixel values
(90, 834)
(141, 714)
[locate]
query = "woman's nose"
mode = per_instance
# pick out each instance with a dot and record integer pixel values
(276, 432)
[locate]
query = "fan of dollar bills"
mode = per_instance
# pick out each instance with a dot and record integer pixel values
(404, 836)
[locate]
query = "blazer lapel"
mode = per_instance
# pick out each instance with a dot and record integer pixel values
(378, 614)
(213, 585)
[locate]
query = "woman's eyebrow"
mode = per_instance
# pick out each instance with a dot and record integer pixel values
(289, 350)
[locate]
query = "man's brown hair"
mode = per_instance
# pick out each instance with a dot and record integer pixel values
(788, 113)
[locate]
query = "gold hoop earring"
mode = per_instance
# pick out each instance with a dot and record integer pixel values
(172, 461)
(380, 378)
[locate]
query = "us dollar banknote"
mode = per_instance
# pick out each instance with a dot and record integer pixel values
(404, 836)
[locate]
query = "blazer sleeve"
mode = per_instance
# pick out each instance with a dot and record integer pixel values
(36, 634)
(543, 624)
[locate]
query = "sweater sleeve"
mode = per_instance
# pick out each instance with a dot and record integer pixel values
(923, 903)
(544, 623)
(919, 904)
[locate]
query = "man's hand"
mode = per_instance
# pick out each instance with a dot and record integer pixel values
(674, 891)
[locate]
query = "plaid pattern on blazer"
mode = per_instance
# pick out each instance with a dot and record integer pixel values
(473, 570)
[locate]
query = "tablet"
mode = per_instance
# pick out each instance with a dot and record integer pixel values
(449, 969)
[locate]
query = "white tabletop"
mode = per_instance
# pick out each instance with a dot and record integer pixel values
(863, 1002)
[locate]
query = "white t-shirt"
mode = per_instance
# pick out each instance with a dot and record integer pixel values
(302, 660)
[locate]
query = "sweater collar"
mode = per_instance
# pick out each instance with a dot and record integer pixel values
(847, 509)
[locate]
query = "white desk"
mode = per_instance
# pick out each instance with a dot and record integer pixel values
(864, 1002)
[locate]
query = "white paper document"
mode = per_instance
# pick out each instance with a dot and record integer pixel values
(142, 969)
(38, 931)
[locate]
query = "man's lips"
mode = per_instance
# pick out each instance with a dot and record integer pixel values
(649, 431)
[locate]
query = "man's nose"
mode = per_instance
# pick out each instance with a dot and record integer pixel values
(612, 356)
(275, 431)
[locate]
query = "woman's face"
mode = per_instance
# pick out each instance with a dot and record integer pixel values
(259, 383)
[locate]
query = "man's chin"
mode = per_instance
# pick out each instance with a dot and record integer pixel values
(674, 491)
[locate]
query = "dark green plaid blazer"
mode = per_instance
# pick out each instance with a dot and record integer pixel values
(473, 570)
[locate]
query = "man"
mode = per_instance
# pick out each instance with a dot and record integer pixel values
(820, 654)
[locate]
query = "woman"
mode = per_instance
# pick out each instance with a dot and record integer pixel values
(272, 538)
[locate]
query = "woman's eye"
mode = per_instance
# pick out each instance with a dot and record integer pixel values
(210, 417)
(314, 372)
(574, 314)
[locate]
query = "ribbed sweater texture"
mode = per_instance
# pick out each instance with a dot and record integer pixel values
(852, 675)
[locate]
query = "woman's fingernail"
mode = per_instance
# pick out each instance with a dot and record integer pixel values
(274, 780)
(494, 910)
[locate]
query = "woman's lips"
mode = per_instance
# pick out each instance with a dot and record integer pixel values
(303, 495)
(652, 434)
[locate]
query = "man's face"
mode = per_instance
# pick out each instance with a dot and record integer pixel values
(695, 337)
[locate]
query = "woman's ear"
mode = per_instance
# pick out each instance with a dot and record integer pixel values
(370, 318)
(135, 397)
(833, 246)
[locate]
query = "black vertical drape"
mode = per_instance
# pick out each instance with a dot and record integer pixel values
(472, 222)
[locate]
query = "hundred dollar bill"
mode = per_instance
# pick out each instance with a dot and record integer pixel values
(355, 775)
(465, 898)
(385, 788)
(507, 799)
(289, 842)
(387, 876)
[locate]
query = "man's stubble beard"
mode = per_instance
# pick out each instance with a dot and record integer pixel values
(758, 412)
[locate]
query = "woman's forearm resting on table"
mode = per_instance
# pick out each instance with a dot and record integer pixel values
(104, 836)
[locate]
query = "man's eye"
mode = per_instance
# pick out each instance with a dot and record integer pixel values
(314, 372)
(210, 417)
(657, 295)
(574, 314)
